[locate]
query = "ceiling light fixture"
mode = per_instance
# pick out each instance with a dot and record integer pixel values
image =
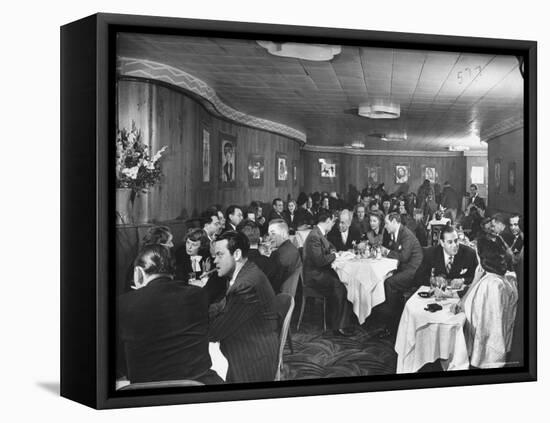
(314, 52)
(458, 148)
(379, 110)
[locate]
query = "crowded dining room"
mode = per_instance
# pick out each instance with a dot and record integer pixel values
(290, 211)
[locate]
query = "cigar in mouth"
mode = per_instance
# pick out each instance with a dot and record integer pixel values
(207, 273)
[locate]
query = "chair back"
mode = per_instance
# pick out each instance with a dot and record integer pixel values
(161, 384)
(283, 306)
(291, 284)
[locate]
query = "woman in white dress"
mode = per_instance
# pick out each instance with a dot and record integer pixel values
(490, 307)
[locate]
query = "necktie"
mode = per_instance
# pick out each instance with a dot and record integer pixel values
(449, 264)
(195, 263)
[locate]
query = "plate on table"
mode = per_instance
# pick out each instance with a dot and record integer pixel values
(425, 294)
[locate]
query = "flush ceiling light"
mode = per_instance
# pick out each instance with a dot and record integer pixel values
(459, 148)
(395, 137)
(379, 110)
(315, 52)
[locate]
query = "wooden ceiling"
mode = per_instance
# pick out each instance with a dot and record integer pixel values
(446, 99)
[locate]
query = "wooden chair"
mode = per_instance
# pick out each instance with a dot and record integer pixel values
(284, 305)
(289, 287)
(161, 384)
(308, 292)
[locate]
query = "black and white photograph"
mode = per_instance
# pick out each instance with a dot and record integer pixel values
(497, 175)
(430, 174)
(281, 169)
(206, 159)
(327, 168)
(320, 280)
(412, 281)
(227, 160)
(402, 172)
(512, 177)
(255, 170)
(373, 174)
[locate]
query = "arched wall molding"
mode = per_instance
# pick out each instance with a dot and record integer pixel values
(127, 66)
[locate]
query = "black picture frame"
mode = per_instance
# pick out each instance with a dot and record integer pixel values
(282, 170)
(402, 173)
(256, 170)
(87, 125)
(228, 160)
(512, 177)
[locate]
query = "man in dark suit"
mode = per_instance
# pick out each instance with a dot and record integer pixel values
(163, 324)
(251, 230)
(476, 201)
(405, 248)
(285, 259)
(319, 253)
(233, 216)
(513, 236)
(343, 235)
(456, 262)
(245, 323)
(276, 210)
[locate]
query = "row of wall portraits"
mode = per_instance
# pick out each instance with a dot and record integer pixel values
(327, 168)
(256, 164)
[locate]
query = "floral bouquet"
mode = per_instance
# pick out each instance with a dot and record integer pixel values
(135, 168)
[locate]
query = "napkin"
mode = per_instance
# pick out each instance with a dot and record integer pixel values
(219, 362)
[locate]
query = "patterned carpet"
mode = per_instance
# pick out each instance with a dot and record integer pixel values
(323, 355)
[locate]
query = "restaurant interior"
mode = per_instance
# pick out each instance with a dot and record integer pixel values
(238, 121)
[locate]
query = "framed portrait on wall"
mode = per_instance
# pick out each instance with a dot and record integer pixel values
(373, 174)
(402, 172)
(512, 177)
(205, 155)
(327, 169)
(498, 164)
(228, 160)
(281, 169)
(430, 174)
(255, 170)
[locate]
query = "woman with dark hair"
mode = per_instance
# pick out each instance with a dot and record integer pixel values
(377, 234)
(490, 307)
(190, 259)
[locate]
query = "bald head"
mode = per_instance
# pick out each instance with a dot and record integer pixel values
(344, 220)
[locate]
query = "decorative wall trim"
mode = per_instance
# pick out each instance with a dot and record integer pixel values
(127, 66)
(508, 125)
(410, 153)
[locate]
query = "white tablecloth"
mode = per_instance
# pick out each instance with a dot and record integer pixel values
(423, 337)
(364, 281)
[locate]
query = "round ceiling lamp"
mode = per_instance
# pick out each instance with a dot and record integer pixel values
(314, 52)
(379, 111)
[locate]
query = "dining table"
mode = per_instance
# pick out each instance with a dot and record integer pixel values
(424, 336)
(364, 281)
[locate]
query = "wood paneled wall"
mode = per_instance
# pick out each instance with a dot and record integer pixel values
(353, 170)
(168, 116)
(507, 148)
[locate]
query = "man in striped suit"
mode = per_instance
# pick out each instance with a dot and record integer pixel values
(245, 323)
